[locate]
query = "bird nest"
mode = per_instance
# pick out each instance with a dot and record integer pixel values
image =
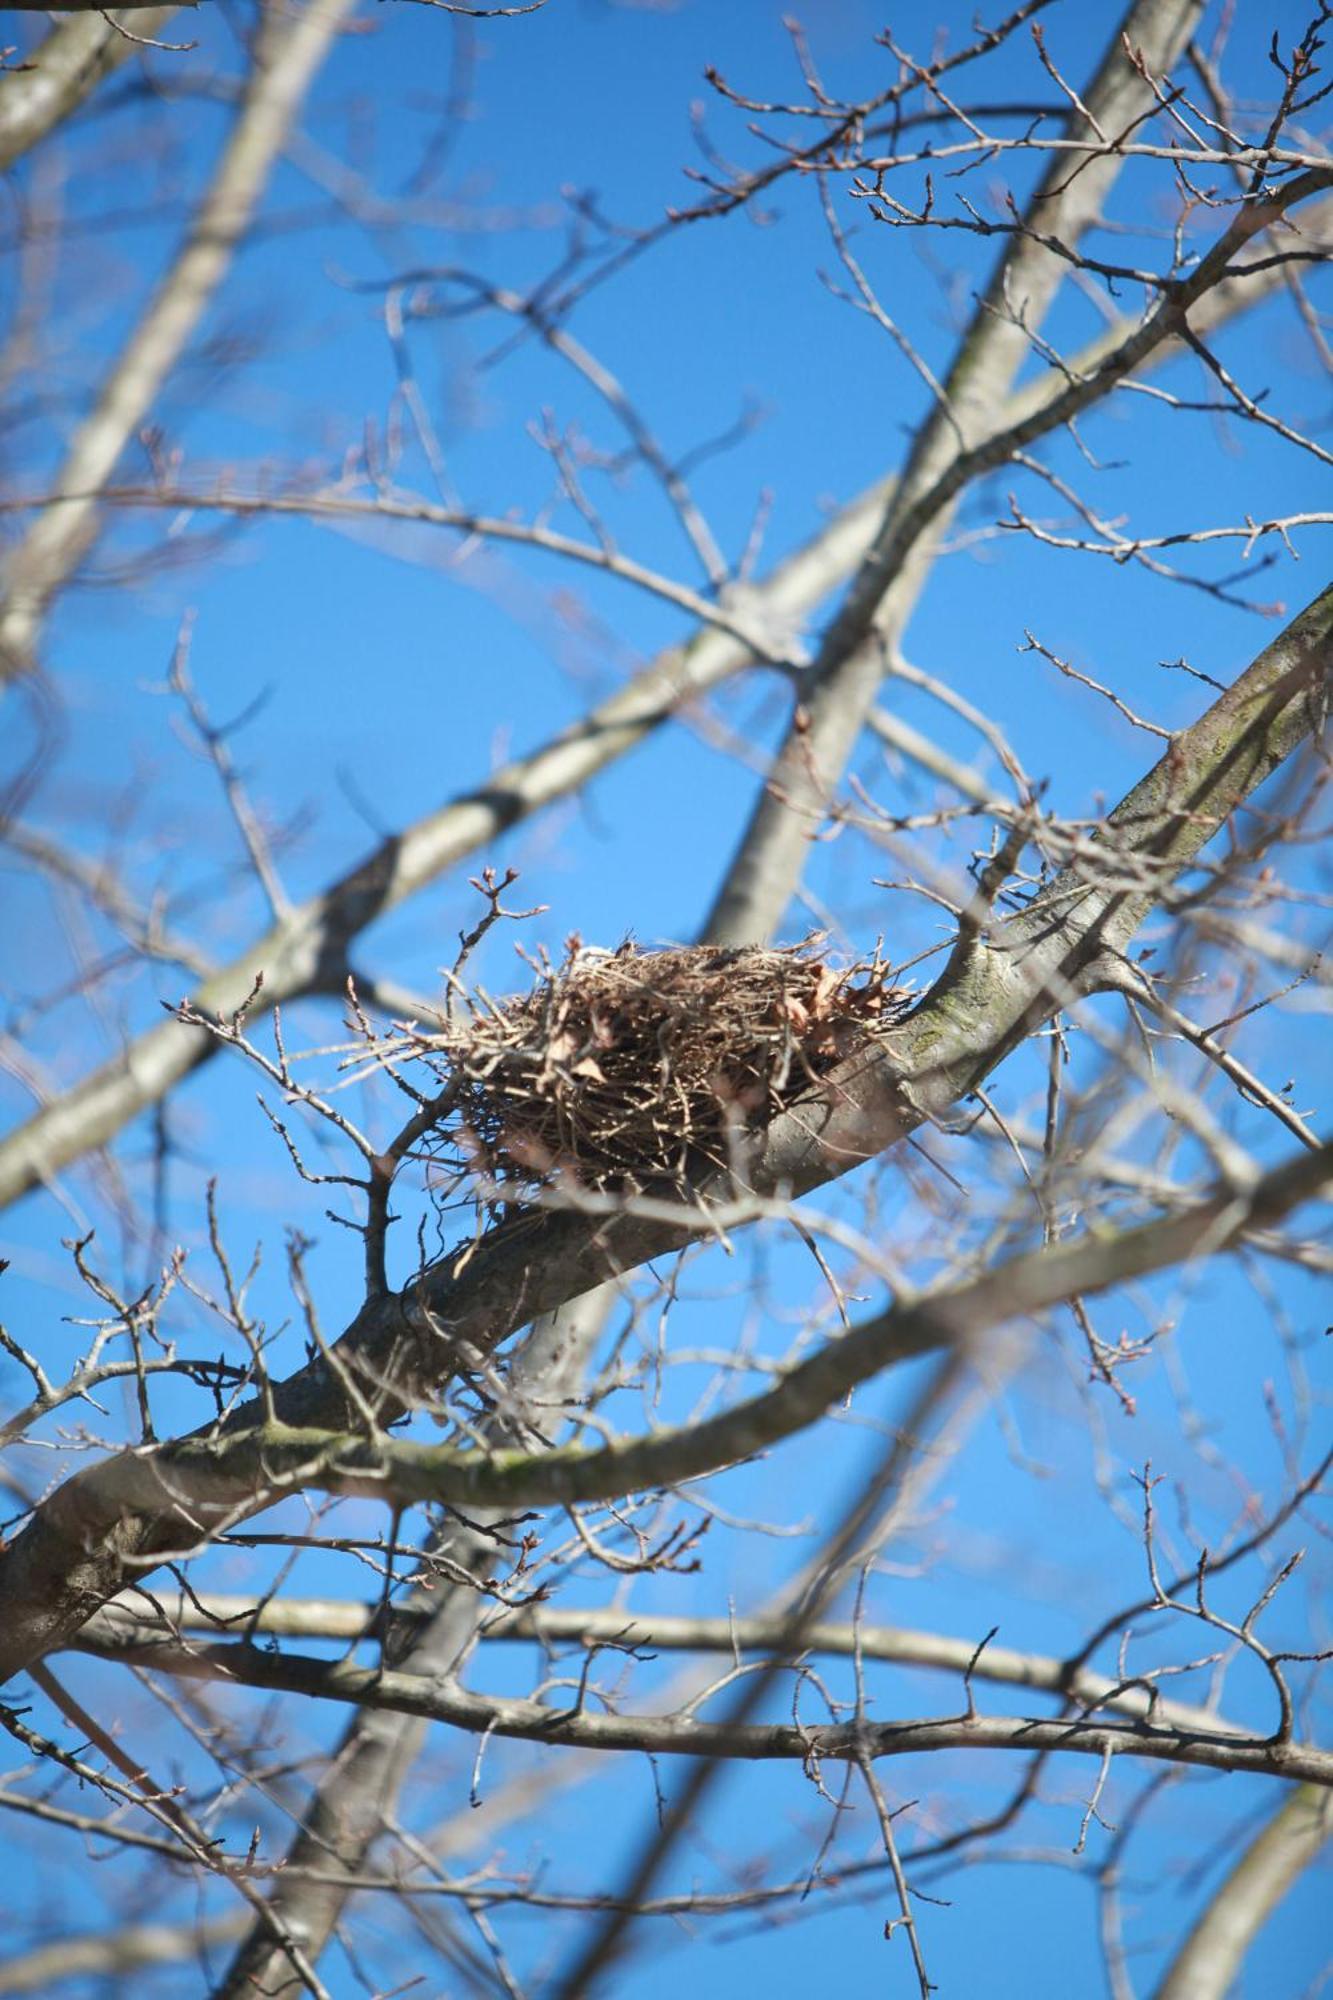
(630, 1068)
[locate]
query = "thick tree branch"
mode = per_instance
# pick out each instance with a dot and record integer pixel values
(444, 1344)
(359, 1792)
(224, 1475)
(62, 71)
(116, 1954)
(951, 445)
(77, 1552)
(1206, 1965)
(308, 953)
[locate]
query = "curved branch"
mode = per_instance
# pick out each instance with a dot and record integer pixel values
(129, 1621)
(686, 1736)
(82, 1542)
(307, 953)
(948, 449)
(1209, 1959)
(719, 615)
(253, 1468)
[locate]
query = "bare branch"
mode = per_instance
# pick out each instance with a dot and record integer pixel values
(675, 1736)
(1072, 939)
(1207, 1962)
(61, 72)
(59, 539)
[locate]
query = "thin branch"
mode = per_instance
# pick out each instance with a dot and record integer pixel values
(675, 1736)
(255, 1467)
(130, 1619)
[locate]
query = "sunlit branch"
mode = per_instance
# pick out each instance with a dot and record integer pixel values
(77, 1551)
(584, 1729)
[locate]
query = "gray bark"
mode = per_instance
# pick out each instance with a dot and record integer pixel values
(79, 1547)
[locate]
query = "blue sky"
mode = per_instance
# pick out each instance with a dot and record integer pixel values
(392, 679)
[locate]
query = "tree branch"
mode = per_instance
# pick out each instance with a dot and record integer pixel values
(287, 59)
(77, 1550)
(61, 72)
(686, 1736)
(130, 1621)
(1207, 1963)
(308, 953)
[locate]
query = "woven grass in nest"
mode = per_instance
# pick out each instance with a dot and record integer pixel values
(632, 1068)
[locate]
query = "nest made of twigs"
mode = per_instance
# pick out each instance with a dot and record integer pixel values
(632, 1067)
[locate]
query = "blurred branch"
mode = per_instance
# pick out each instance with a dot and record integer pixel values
(287, 58)
(143, 928)
(953, 444)
(726, 615)
(1044, 923)
(307, 952)
(62, 71)
(115, 1953)
(359, 1791)
(1208, 1961)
